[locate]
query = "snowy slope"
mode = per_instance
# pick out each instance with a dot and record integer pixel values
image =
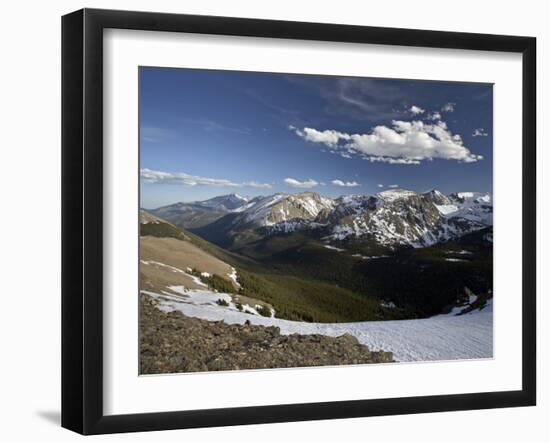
(282, 208)
(443, 337)
(473, 206)
(403, 217)
(392, 195)
(260, 211)
(228, 202)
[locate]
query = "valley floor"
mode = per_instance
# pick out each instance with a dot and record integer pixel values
(443, 337)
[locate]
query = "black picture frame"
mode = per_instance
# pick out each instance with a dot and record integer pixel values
(82, 218)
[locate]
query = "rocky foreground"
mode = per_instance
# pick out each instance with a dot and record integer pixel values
(172, 342)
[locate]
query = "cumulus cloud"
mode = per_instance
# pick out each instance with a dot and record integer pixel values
(416, 110)
(309, 183)
(479, 132)
(434, 116)
(181, 178)
(345, 184)
(327, 137)
(407, 143)
(380, 185)
(393, 186)
(448, 107)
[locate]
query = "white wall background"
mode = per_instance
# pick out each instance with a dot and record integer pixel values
(30, 218)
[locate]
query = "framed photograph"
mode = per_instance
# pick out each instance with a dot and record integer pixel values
(269, 221)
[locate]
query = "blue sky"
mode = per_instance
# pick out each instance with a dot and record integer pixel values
(207, 133)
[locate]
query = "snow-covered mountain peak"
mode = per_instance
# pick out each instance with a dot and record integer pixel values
(393, 217)
(478, 197)
(312, 202)
(227, 202)
(239, 197)
(404, 217)
(279, 208)
(437, 197)
(391, 195)
(473, 206)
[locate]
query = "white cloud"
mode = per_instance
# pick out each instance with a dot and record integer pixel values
(181, 178)
(345, 184)
(434, 116)
(479, 132)
(393, 186)
(380, 185)
(255, 184)
(407, 143)
(416, 110)
(328, 137)
(448, 107)
(309, 183)
(393, 161)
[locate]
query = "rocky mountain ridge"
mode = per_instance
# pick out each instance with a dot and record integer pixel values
(395, 217)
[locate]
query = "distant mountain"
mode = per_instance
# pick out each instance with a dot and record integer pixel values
(282, 208)
(228, 202)
(392, 218)
(400, 217)
(265, 216)
(473, 206)
(437, 198)
(201, 213)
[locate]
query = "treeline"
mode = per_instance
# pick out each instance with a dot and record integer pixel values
(303, 299)
(161, 230)
(214, 281)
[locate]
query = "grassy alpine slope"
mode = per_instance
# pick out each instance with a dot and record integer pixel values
(294, 296)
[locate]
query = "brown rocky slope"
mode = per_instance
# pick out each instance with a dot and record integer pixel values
(172, 342)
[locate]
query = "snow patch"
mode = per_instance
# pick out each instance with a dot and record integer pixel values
(195, 279)
(443, 337)
(446, 209)
(369, 257)
(462, 252)
(234, 277)
(202, 303)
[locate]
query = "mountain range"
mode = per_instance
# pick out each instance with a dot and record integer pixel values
(392, 218)
(392, 255)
